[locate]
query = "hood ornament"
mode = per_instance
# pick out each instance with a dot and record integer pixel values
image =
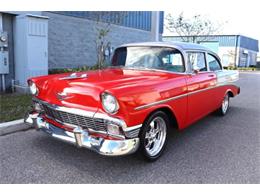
(74, 76)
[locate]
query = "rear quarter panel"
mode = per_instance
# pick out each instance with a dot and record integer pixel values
(226, 82)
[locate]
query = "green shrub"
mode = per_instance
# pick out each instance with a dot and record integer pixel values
(250, 68)
(230, 68)
(77, 69)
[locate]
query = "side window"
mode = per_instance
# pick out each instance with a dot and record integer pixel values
(214, 64)
(196, 60)
(172, 61)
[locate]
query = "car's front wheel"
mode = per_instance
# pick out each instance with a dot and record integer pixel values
(153, 136)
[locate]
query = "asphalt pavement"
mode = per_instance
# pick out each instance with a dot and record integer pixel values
(213, 150)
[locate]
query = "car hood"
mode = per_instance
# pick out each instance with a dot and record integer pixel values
(84, 93)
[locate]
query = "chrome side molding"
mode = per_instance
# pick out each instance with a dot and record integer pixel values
(74, 76)
(183, 95)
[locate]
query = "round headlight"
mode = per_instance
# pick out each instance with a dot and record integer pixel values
(33, 88)
(109, 103)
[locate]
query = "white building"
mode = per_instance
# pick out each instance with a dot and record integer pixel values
(233, 50)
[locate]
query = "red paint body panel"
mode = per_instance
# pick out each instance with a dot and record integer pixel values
(202, 102)
(135, 88)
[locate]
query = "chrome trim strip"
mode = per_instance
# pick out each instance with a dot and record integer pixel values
(160, 102)
(66, 109)
(133, 128)
(180, 96)
(152, 69)
(109, 118)
(74, 76)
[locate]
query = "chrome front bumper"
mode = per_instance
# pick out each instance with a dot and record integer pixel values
(82, 138)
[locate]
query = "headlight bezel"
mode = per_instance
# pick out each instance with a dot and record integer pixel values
(104, 99)
(33, 88)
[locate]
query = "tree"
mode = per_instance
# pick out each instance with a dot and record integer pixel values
(104, 23)
(232, 57)
(195, 29)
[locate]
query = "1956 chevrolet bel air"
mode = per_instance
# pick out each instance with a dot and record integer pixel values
(149, 89)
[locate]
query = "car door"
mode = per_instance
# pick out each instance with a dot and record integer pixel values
(215, 67)
(199, 84)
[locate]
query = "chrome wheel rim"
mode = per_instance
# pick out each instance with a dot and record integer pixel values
(155, 136)
(225, 104)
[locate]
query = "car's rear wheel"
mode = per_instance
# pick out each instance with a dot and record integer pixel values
(224, 105)
(153, 136)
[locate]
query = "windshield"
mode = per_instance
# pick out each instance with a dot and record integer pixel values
(161, 58)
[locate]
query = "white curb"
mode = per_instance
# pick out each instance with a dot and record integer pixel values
(13, 126)
(11, 123)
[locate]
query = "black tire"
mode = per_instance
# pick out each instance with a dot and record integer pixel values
(158, 116)
(223, 109)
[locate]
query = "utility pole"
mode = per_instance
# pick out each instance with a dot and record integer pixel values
(155, 25)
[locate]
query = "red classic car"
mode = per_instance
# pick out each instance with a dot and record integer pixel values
(149, 89)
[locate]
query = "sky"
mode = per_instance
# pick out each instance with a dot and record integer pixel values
(241, 17)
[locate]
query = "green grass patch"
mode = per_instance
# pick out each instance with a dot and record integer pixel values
(252, 68)
(14, 106)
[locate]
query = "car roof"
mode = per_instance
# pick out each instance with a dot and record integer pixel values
(174, 44)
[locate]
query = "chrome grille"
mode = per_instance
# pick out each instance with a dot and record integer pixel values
(74, 119)
(133, 133)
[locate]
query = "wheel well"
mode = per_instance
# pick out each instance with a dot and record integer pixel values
(170, 114)
(230, 93)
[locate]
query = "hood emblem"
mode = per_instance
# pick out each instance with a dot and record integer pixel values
(63, 96)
